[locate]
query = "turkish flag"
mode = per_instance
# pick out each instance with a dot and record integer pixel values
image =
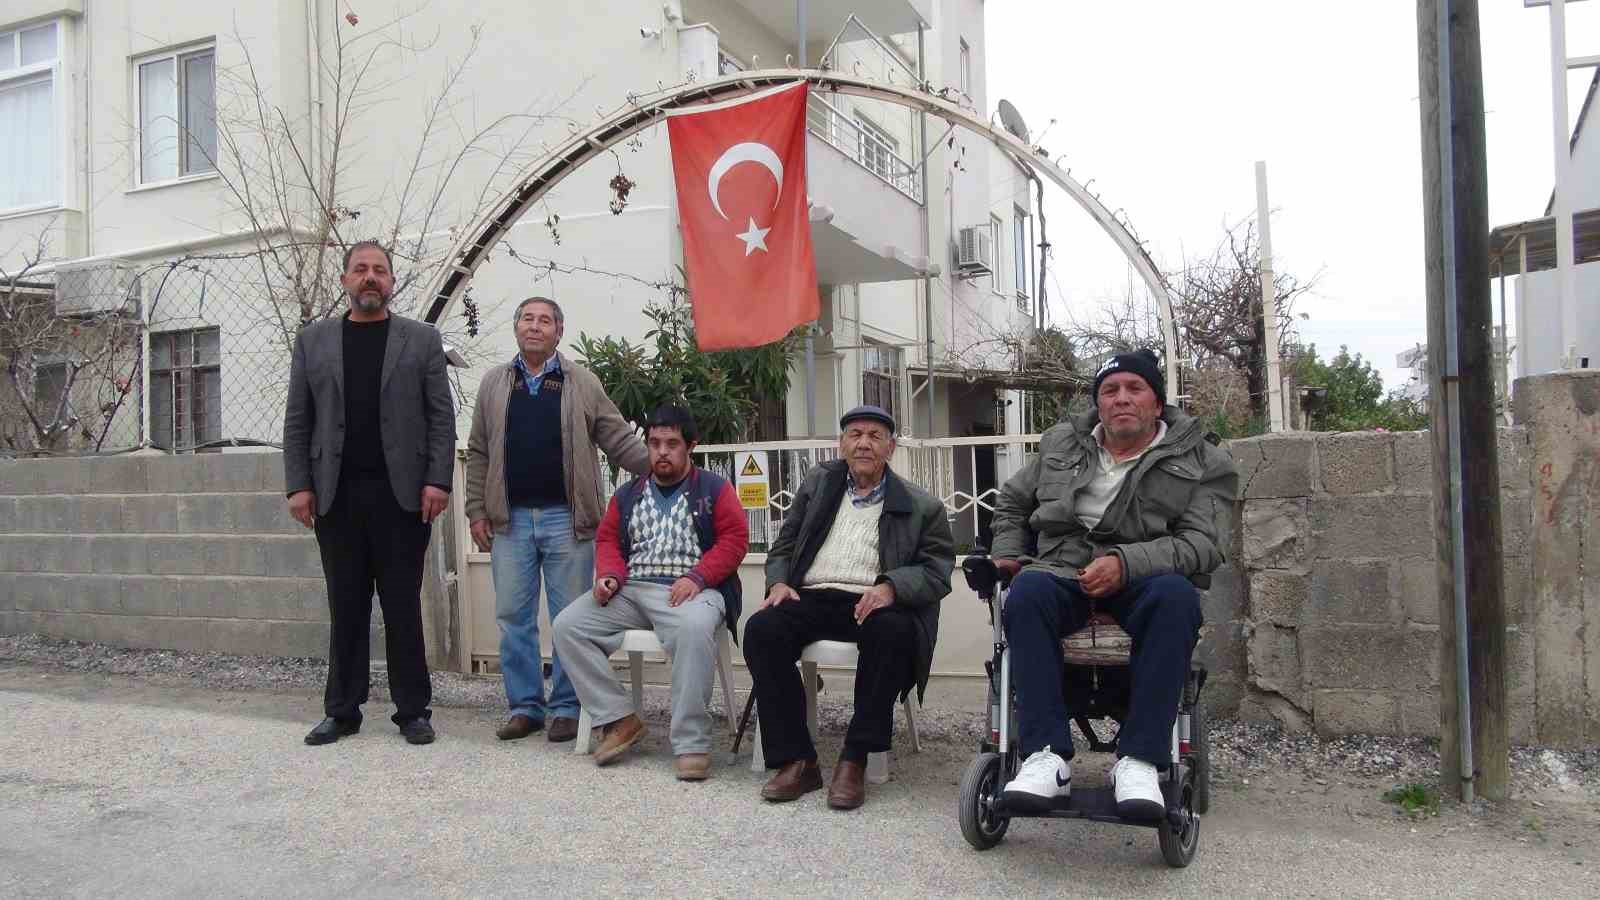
(740, 170)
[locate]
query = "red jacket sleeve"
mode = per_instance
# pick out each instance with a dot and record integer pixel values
(608, 561)
(733, 539)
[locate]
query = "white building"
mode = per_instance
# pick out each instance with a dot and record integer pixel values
(1525, 253)
(123, 143)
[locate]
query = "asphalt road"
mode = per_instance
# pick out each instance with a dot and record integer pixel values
(113, 785)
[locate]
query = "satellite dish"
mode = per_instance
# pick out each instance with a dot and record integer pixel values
(1012, 120)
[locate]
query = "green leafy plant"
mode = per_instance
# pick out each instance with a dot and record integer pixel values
(723, 389)
(1355, 399)
(1415, 799)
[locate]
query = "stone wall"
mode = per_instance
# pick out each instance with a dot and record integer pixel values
(1336, 581)
(191, 553)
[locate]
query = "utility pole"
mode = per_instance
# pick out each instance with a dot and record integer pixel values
(1269, 303)
(800, 26)
(1474, 741)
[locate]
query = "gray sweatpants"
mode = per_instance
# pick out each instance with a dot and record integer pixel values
(586, 634)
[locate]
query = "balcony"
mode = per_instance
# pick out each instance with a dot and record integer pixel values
(867, 223)
(825, 17)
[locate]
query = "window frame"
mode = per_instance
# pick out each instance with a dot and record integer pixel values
(882, 144)
(964, 68)
(998, 268)
(1021, 248)
(193, 371)
(178, 55)
(885, 377)
(49, 71)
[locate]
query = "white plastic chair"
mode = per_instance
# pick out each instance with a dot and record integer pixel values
(636, 643)
(837, 653)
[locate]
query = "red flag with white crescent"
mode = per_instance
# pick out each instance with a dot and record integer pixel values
(740, 170)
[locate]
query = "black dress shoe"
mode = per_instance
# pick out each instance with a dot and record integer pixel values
(417, 731)
(331, 729)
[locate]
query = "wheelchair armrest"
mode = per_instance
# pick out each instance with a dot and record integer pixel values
(982, 575)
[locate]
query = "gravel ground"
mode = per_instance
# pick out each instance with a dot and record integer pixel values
(1239, 750)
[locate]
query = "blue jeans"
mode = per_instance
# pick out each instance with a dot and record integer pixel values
(536, 546)
(1161, 614)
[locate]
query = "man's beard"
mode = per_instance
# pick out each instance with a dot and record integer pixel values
(369, 301)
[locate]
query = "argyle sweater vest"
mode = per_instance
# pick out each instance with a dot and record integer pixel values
(665, 546)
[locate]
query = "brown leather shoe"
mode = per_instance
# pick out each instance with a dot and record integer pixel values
(518, 727)
(619, 736)
(849, 787)
(562, 729)
(793, 781)
(693, 766)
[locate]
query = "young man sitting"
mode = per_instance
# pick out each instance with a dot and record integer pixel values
(666, 558)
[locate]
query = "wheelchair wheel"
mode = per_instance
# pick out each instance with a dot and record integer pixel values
(1200, 752)
(1179, 844)
(980, 789)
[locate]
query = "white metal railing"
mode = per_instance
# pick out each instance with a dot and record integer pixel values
(956, 470)
(864, 145)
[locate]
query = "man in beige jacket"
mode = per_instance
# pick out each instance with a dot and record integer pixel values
(533, 498)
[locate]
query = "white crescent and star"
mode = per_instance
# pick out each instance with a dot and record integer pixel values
(754, 237)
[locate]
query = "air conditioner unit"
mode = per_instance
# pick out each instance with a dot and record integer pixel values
(974, 252)
(97, 288)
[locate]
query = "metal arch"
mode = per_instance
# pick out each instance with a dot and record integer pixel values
(475, 244)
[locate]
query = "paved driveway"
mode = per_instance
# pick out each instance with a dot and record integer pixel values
(118, 785)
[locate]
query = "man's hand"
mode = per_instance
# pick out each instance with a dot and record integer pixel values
(1008, 568)
(1103, 577)
(303, 506)
(605, 589)
(877, 597)
(683, 590)
(780, 593)
(433, 503)
(482, 535)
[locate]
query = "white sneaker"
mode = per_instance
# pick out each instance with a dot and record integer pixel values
(1043, 783)
(1138, 789)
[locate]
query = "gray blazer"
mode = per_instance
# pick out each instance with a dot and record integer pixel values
(417, 418)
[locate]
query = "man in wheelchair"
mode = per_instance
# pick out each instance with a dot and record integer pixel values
(1123, 510)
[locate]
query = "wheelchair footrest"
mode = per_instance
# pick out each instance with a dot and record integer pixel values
(1097, 804)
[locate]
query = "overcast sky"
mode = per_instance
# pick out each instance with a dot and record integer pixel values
(1167, 104)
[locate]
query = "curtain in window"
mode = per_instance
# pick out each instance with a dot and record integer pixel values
(158, 120)
(28, 170)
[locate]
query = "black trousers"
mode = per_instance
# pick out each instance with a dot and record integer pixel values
(368, 541)
(773, 641)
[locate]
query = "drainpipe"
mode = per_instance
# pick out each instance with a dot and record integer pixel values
(927, 223)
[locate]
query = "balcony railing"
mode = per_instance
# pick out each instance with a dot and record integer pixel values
(862, 143)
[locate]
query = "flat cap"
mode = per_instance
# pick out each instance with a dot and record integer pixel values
(873, 413)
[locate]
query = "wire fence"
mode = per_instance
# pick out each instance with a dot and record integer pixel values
(182, 355)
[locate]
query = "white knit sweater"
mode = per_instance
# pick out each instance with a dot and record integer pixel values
(848, 557)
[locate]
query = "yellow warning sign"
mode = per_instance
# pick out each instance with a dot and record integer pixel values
(751, 466)
(753, 496)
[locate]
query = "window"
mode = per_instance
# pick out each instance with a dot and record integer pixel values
(880, 376)
(177, 115)
(185, 388)
(1022, 228)
(997, 279)
(876, 148)
(30, 164)
(966, 69)
(49, 380)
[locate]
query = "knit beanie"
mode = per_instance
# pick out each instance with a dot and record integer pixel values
(1142, 363)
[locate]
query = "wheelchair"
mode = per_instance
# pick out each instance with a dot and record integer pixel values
(1096, 682)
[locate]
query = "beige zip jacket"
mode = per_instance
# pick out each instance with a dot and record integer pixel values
(588, 420)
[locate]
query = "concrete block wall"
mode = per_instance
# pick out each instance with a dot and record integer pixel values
(1339, 607)
(179, 552)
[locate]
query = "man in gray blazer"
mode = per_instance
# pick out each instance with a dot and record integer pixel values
(368, 435)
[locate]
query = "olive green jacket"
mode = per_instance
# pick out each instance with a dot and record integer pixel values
(1173, 513)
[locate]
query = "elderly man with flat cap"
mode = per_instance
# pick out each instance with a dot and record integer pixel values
(863, 557)
(1124, 509)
